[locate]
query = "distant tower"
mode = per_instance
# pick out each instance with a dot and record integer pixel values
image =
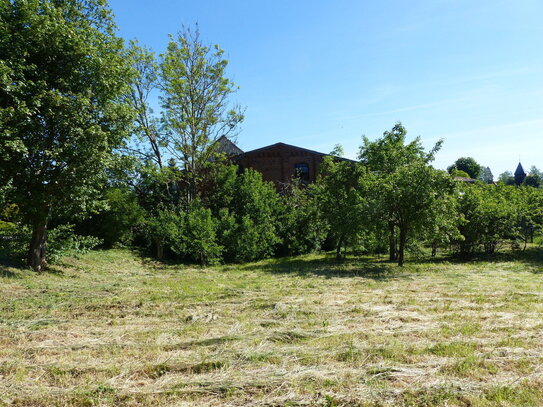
(519, 174)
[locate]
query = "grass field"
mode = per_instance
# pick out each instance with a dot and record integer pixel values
(115, 329)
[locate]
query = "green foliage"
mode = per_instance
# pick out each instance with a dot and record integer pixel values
(534, 178)
(342, 196)
(247, 209)
(118, 222)
(468, 165)
(385, 155)
(14, 240)
(163, 230)
(255, 207)
(303, 226)
(409, 193)
(62, 75)
(506, 178)
(195, 104)
(199, 236)
(490, 217)
(148, 138)
(459, 173)
(62, 241)
(486, 176)
(338, 151)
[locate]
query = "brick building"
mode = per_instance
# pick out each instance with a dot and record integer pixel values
(280, 163)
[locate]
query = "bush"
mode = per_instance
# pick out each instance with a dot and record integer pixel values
(303, 227)
(62, 241)
(247, 209)
(199, 236)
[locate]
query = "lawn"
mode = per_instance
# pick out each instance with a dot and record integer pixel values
(115, 329)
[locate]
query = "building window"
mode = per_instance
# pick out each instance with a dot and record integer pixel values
(301, 171)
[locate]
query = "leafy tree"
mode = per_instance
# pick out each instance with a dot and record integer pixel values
(443, 222)
(119, 221)
(148, 138)
(486, 176)
(506, 178)
(199, 236)
(303, 225)
(384, 157)
(195, 105)
(247, 209)
(62, 81)
(528, 203)
(338, 151)
(468, 165)
(163, 230)
(458, 173)
(534, 178)
(490, 217)
(343, 200)
(415, 199)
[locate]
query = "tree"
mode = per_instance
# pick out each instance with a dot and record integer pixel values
(489, 214)
(248, 210)
(145, 81)
(468, 165)
(384, 157)
(486, 176)
(338, 151)
(415, 196)
(62, 82)
(343, 200)
(534, 178)
(196, 106)
(303, 225)
(506, 178)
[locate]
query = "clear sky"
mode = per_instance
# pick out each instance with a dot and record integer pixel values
(316, 73)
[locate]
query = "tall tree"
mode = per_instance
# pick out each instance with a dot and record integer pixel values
(414, 197)
(145, 82)
(468, 165)
(343, 197)
(506, 178)
(63, 79)
(486, 175)
(384, 157)
(197, 111)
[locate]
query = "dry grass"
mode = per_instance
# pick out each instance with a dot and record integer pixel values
(112, 329)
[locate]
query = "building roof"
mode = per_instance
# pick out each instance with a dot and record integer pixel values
(520, 170)
(225, 146)
(290, 146)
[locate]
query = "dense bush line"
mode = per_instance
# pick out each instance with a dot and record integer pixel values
(391, 200)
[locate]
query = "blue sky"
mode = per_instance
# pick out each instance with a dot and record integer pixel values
(317, 73)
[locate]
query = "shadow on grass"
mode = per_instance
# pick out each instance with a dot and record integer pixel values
(329, 267)
(531, 257)
(379, 268)
(6, 264)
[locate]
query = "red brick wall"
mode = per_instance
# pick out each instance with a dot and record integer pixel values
(276, 163)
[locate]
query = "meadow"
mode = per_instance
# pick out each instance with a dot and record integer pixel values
(113, 328)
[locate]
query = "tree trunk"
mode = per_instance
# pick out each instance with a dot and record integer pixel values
(38, 245)
(391, 242)
(338, 247)
(403, 239)
(434, 249)
(159, 249)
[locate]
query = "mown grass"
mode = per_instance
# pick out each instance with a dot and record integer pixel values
(115, 329)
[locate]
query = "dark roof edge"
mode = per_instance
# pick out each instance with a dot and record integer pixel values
(292, 146)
